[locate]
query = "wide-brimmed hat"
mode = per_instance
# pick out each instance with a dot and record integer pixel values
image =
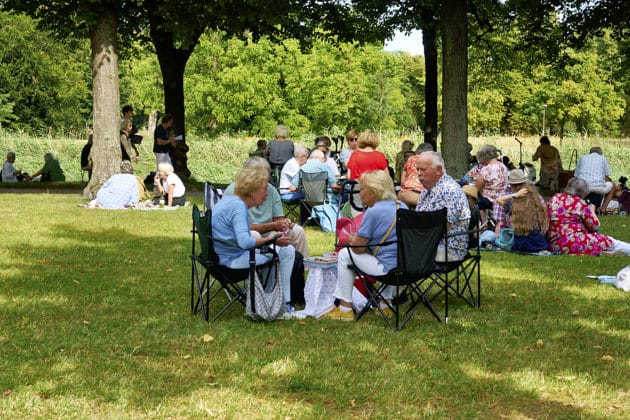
(471, 191)
(322, 143)
(517, 176)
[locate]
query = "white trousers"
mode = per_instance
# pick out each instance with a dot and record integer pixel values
(345, 277)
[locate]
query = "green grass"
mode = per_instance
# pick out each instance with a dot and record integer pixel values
(95, 323)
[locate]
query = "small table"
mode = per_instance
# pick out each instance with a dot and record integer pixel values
(320, 285)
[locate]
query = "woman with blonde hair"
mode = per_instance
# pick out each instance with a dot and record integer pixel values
(231, 227)
(526, 214)
(366, 157)
(378, 226)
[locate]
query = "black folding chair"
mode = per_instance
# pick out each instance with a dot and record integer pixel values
(418, 235)
(207, 271)
(465, 279)
(292, 208)
(315, 188)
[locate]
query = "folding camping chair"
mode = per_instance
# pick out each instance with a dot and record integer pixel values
(206, 270)
(418, 235)
(292, 208)
(315, 188)
(465, 281)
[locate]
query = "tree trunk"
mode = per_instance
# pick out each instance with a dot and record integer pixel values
(106, 155)
(454, 86)
(173, 61)
(430, 86)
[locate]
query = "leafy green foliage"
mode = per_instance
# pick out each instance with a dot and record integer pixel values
(43, 82)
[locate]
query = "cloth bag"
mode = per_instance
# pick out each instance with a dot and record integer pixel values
(622, 279)
(326, 215)
(505, 240)
(264, 305)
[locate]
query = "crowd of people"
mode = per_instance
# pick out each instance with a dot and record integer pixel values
(500, 196)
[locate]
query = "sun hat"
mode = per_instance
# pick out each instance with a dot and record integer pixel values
(321, 143)
(471, 191)
(517, 176)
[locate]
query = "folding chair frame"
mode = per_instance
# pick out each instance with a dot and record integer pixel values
(207, 273)
(419, 285)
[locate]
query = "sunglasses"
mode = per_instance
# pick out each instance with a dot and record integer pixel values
(353, 139)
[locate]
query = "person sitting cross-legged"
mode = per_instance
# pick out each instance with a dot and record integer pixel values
(378, 226)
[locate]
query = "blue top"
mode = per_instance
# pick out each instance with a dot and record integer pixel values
(230, 222)
(376, 221)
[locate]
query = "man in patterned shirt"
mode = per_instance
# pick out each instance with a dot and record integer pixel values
(441, 191)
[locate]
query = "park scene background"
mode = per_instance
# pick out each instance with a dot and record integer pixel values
(94, 305)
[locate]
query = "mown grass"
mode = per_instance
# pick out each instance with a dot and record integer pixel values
(95, 323)
(218, 159)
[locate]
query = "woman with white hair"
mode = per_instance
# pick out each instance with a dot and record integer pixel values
(169, 185)
(573, 224)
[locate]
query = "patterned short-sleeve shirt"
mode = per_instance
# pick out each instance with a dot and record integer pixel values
(448, 194)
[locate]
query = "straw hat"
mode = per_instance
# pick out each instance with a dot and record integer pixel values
(471, 191)
(517, 176)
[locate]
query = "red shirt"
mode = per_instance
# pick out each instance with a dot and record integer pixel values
(361, 161)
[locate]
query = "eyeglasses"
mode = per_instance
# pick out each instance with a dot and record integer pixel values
(353, 139)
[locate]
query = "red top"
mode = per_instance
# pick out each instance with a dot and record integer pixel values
(361, 161)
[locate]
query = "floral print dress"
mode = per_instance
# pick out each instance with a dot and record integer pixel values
(573, 226)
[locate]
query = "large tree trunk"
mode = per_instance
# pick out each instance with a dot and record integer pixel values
(454, 86)
(173, 59)
(105, 152)
(430, 86)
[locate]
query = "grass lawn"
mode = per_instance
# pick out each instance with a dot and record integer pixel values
(95, 323)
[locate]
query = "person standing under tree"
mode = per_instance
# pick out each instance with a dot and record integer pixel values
(162, 140)
(550, 164)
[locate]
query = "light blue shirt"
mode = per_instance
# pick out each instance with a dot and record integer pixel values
(376, 222)
(230, 222)
(118, 192)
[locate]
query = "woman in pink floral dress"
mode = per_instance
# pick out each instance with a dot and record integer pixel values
(573, 224)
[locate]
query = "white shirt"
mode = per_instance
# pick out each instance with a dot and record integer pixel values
(288, 172)
(7, 172)
(179, 190)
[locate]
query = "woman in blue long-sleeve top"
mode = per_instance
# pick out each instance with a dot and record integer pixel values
(230, 222)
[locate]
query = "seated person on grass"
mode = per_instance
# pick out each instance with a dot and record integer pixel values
(50, 172)
(268, 217)
(169, 185)
(9, 172)
(120, 191)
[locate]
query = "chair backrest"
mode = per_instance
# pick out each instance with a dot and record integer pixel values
(315, 186)
(211, 195)
(202, 225)
(418, 236)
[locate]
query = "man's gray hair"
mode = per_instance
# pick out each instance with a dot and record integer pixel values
(257, 162)
(317, 154)
(300, 151)
(281, 131)
(436, 159)
(577, 186)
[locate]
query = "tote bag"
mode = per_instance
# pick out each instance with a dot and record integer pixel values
(264, 305)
